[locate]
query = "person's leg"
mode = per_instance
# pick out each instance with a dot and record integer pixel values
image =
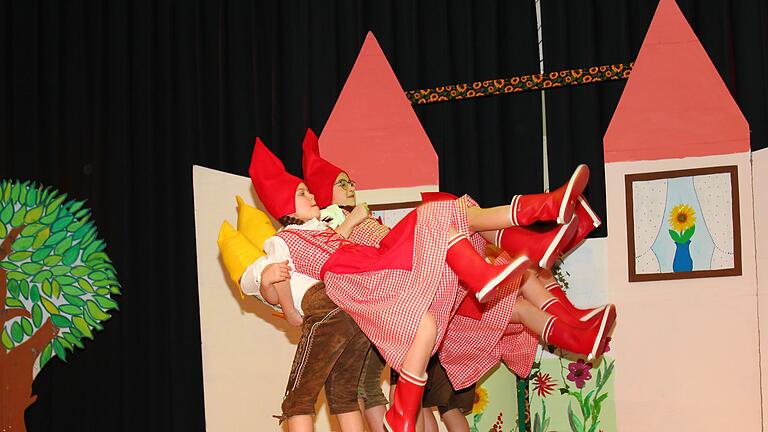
(301, 423)
(373, 403)
(455, 421)
(341, 385)
(430, 423)
(406, 400)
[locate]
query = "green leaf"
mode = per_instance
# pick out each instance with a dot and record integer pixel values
(103, 291)
(64, 343)
(105, 282)
(16, 275)
(80, 271)
(105, 303)
(600, 399)
(34, 294)
(13, 303)
(85, 285)
(96, 312)
(97, 275)
(65, 280)
(92, 322)
(46, 287)
(574, 421)
(32, 229)
(83, 230)
(75, 206)
(56, 238)
(24, 288)
(56, 288)
(43, 275)
(8, 265)
(7, 213)
(19, 256)
(49, 306)
(72, 290)
(60, 270)
(15, 191)
(60, 321)
(31, 268)
(687, 234)
(50, 218)
(33, 215)
(54, 206)
(37, 315)
(3, 230)
(70, 309)
(26, 325)
(70, 256)
(82, 325)
(7, 342)
(46, 355)
(13, 288)
(17, 333)
(73, 340)
(91, 248)
(18, 218)
(31, 197)
(22, 243)
(74, 300)
(52, 260)
(82, 213)
(59, 350)
(41, 253)
(675, 236)
(40, 238)
(62, 223)
(98, 257)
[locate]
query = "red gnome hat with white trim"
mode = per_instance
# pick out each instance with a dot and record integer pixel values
(319, 174)
(275, 187)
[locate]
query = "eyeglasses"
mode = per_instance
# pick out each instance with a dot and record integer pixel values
(345, 184)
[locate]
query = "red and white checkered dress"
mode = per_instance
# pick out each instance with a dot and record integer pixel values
(369, 232)
(388, 304)
(471, 347)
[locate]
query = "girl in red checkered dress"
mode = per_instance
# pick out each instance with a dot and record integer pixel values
(401, 294)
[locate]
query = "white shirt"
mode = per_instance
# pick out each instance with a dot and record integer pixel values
(277, 251)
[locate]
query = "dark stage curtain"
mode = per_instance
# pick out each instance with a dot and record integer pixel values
(114, 101)
(588, 33)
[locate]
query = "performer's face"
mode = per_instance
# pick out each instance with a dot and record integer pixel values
(343, 190)
(306, 208)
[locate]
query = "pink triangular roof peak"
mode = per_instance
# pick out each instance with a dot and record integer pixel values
(373, 132)
(675, 104)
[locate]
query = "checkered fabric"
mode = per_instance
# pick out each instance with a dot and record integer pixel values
(471, 348)
(369, 232)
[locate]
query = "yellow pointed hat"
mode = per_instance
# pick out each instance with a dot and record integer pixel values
(253, 223)
(237, 252)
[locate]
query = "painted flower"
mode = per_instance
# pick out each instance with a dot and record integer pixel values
(682, 217)
(481, 400)
(579, 372)
(607, 344)
(543, 384)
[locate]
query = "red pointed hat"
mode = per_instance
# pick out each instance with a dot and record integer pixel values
(319, 174)
(275, 187)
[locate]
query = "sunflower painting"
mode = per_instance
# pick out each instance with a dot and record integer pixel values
(682, 219)
(697, 209)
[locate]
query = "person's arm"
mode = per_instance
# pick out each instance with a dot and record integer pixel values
(283, 292)
(355, 217)
(275, 284)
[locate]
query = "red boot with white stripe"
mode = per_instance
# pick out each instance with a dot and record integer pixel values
(542, 245)
(477, 275)
(590, 341)
(557, 205)
(588, 222)
(406, 403)
(556, 307)
(583, 315)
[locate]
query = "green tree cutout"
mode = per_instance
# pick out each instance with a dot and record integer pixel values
(56, 282)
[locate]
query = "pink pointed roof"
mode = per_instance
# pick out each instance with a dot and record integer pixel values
(373, 133)
(675, 104)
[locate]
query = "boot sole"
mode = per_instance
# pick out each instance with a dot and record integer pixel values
(576, 186)
(599, 345)
(512, 269)
(565, 232)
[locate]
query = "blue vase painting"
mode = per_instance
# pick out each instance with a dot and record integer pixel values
(682, 219)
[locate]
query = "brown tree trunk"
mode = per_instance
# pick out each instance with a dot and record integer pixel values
(16, 364)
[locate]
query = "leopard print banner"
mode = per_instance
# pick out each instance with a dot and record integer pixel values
(520, 83)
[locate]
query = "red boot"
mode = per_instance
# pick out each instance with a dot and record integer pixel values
(582, 314)
(478, 276)
(557, 308)
(542, 245)
(588, 221)
(406, 403)
(549, 206)
(590, 341)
